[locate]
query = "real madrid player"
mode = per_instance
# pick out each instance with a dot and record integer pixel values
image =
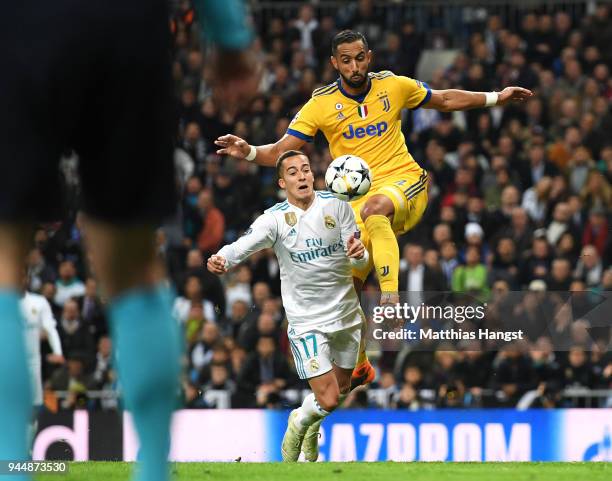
(38, 317)
(314, 237)
(359, 114)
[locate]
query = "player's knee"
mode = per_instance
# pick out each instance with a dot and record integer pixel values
(377, 205)
(329, 400)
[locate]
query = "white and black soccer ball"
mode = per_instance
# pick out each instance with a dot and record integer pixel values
(348, 177)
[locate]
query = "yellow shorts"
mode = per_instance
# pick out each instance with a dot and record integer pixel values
(409, 196)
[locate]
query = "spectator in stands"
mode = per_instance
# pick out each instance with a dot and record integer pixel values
(38, 271)
(92, 310)
(238, 311)
(213, 224)
(264, 267)
(560, 277)
(473, 370)
(220, 379)
(102, 363)
(48, 292)
(191, 310)
(200, 354)
(75, 334)
(589, 268)
(68, 285)
(471, 278)
(535, 200)
(449, 261)
(414, 275)
(250, 332)
(410, 394)
(561, 222)
(71, 378)
(568, 248)
(304, 27)
(596, 192)
(596, 231)
(239, 287)
(212, 290)
(513, 375)
(547, 372)
(195, 146)
(578, 372)
(443, 378)
(264, 372)
(505, 264)
(536, 262)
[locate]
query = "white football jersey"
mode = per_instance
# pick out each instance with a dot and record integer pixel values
(316, 281)
(38, 315)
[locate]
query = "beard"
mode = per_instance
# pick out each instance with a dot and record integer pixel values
(355, 84)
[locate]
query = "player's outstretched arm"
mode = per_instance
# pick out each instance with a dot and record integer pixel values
(453, 99)
(260, 235)
(262, 154)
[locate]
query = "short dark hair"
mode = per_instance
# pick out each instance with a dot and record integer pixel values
(286, 155)
(347, 36)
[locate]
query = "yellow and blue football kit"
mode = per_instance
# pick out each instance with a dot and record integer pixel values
(369, 126)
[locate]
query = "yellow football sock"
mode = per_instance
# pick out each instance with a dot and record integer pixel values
(385, 251)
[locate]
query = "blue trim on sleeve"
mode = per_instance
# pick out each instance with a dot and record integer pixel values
(425, 99)
(300, 135)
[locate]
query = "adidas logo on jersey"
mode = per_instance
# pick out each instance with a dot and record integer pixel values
(292, 232)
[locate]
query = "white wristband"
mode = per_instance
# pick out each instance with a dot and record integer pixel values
(251, 156)
(491, 99)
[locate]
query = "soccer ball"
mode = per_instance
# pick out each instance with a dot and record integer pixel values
(348, 177)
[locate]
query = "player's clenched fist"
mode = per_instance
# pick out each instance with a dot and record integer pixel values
(216, 264)
(355, 248)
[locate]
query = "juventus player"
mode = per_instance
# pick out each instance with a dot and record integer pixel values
(315, 238)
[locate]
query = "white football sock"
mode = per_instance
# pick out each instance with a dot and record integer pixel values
(309, 412)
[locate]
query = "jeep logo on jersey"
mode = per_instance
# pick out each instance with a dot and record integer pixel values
(369, 130)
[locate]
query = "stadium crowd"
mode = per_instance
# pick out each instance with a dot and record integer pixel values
(519, 200)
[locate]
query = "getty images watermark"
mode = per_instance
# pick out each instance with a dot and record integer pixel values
(406, 313)
(490, 320)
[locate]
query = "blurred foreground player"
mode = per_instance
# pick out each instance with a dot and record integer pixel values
(314, 237)
(95, 77)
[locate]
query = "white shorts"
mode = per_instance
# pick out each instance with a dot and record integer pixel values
(314, 351)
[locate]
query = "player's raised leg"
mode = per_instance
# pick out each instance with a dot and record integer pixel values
(364, 372)
(377, 215)
(146, 336)
(15, 391)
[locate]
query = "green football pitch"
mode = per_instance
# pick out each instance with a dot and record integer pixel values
(109, 471)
